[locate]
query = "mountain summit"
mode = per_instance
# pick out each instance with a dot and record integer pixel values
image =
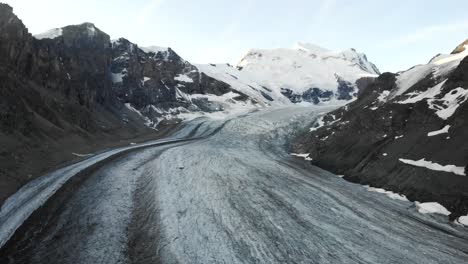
(307, 72)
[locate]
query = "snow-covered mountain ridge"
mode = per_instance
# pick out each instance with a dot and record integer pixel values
(305, 73)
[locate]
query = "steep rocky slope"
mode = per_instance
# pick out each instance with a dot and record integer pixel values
(72, 91)
(56, 99)
(406, 133)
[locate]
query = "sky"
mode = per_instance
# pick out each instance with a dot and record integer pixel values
(394, 35)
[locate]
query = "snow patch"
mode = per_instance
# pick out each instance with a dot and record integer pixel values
(155, 49)
(435, 166)
(432, 208)
(383, 96)
(390, 194)
(305, 156)
(463, 220)
(318, 124)
(429, 93)
(447, 106)
(148, 122)
(438, 132)
(183, 78)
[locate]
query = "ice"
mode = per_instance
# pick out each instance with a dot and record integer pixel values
(438, 132)
(18, 207)
(435, 166)
(431, 208)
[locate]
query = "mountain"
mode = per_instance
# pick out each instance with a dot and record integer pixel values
(307, 72)
(406, 133)
(72, 90)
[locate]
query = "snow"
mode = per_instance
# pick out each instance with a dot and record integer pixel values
(155, 49)
(232, 76)
(390, 194)
(148, 122)
(50, 34)
(226, 106)
(264, 73)
(452, 57)
(384, 154)
(407, 79)
(440, 66)
(429, 93)
(318, 124)
(398, 137)
(438, 132)
(432, 208)
(305, 156)
(304, 67)
(435, 166)
(383, 96)
(450, 102)
(183, 78)
(463, 220)
(145, 79)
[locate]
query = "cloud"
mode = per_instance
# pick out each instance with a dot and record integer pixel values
(427, 33)
(147, 10)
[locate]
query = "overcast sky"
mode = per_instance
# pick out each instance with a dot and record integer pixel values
(395, 35)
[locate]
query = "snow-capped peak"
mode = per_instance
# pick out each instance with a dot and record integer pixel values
(90, 28)
(306, 72)
(309, 47)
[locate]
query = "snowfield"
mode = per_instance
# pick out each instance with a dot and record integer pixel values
(435, 166)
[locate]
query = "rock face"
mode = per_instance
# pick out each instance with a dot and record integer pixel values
(56, 98)
(399, 129)
(159, 83)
